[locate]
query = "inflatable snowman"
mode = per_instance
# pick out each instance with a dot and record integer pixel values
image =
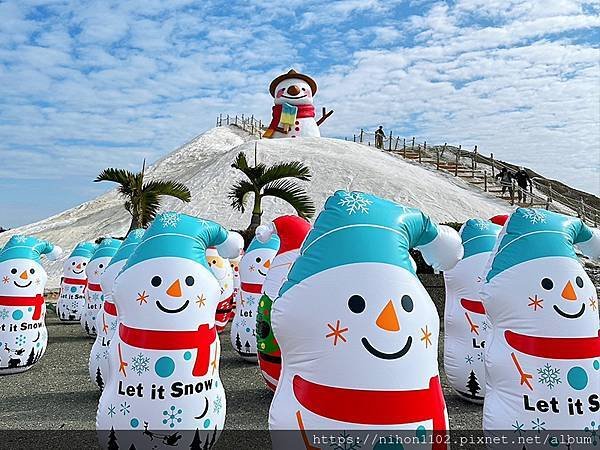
(94, 297)
(106, 319)
(294, 112)
(235, 268)
(164, 389)
(254, 267)
(71, 300)
(291, 231)
(543, 350)
(358, 332)
(465, 324)
(23, 334)
(223, 272)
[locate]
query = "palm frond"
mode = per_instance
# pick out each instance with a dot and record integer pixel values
(252, 173)
(126, 179)
(168, 187)
(239, 194)
(292, 169)
(294, 194)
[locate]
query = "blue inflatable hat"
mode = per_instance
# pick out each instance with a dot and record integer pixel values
(84, 249)
(355, 227)
(128, 246)
(478, 236)
(532, 233)
(272, 243)
(108, 247)
(29, 247)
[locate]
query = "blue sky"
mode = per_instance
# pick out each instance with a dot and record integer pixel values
(85, 85)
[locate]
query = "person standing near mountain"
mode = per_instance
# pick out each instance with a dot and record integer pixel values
(522, 178)
(506, 180)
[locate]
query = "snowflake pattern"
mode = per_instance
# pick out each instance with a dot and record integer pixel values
(534, 216)
(250, 300)
(538, 425)
(74, 305)
(125, 408)
(485, 326)
(20, 238)
(593, 431)
(3, 313)
(549, 375)
(355, 202)
(113, 325)
(20, 340)
(105, 354)
(172, 416)
(480, 357)
(518, 427)
(111, 410)
(169, 220)
(481, 224)
(140, 364)
(98, 356)
(138, 233)
(217, 405)
(469, 359)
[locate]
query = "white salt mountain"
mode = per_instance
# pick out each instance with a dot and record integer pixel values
(204, 165)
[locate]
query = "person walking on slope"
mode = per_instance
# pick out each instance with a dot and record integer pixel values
(506, 180)
(379, 137)
(522, 178)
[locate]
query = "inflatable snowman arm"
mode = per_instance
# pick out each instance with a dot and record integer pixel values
(590, 244)
(444, 251)
(232, 246)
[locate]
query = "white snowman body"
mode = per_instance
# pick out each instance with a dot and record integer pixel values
(163, 388)
(221, 269)
(235, 269)
(71, 300)
(94, 297)
(465, 328)
(106, 325)
(254, 267)
(359, 346)
(304, 126)
(542, 353)
(23, 332)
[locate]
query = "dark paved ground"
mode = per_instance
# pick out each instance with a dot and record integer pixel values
(56, 394)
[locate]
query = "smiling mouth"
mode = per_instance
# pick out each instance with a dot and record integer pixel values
(294, 98)
(22, 285)
(379, 354)
(78, 273)
(172, 311)
(570, 316)
(262, 273)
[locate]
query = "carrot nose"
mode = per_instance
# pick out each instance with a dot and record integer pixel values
(267, 264)
(23, 275)
(568, 293)
(388, 319)
(78, 266)
(175, 289)
(293, 90)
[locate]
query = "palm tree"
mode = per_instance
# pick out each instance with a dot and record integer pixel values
(143, 198)
(271, 181)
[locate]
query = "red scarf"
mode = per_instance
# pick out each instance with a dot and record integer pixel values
(554, 347)
(253, 288)
(475, 306)
(373, 407)
(36, 302)
(200, 340)
(110, 308)
(75, 281)
(225, 303)
(94, 287)
(304, 111)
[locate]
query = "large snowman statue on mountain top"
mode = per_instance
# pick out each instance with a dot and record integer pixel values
(294, 111)
(71, 301)
(358, 332)
(291, 230)
(23, 331)
(254, 267)
(94, 297)
(106, 319)
(465, 325)
(543, 351)
(164, 389)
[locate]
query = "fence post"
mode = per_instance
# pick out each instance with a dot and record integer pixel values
(444, 148)
(236, 119)
(227, 119)
(475, 160)
(404, 147)
(412, 148)
(437, 159)
(493, 168)
(396, 146)
(457, 160)
(424, 149)
(390, 145)
(361, 135)
(485, 188)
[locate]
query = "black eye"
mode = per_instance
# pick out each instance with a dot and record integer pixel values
(214, 261)
(155, 281)
(356, 304)
(85, 264)
(73, 263)
(100, 266)
(189, 280)
(407, 303)
(579, 281)
(13, 271)
(303, 90)
(258, 260)
(31, 271)
(547, 284)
